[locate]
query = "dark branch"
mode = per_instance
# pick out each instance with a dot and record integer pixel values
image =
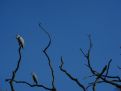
(107, 71)
(69, 75)
(98, 77)
(104, 78)
(15, 71)
(31, 85)
(48, 58)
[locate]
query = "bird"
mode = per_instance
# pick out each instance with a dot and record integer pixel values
(20, 40)
(34, 77)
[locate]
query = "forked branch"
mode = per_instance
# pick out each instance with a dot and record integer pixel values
(70, 76)
(105, 78)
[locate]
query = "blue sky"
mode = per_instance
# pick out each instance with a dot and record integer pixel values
(68, 22)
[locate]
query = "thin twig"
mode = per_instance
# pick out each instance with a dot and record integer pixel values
(107, 71)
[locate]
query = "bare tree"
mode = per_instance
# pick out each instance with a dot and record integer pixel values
(12, 80)
(99, 77)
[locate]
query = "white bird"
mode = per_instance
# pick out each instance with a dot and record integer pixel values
(20, 41)
(34, 77)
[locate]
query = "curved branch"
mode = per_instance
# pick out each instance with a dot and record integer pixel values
(69, 75)
(48, 58)
(15, 71)
(105, 78)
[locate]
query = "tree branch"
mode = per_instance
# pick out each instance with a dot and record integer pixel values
(15, 70)
(105, 78)
(69, 75)
(48, 58)
(31, 85)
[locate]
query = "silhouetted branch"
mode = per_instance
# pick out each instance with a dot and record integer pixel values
(108, 66)
(98, 77)
(15, 71)
(69, 75)
(113, 80)
(12, 79)
(48, 58)
(31, 85)
(87, 55)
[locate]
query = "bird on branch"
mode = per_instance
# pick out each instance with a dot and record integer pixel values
(20, 40)
(34, 77)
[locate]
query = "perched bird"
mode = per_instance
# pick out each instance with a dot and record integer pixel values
(20, 41)
(34, 77)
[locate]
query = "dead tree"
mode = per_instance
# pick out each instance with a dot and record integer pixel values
(99, 77)
(13, 80)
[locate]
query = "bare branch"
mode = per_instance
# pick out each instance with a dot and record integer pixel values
(31, 85)
(107, 71)
(69, 75)
(105, 78)
(98, 77)
(15, 70)
(49, 60)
